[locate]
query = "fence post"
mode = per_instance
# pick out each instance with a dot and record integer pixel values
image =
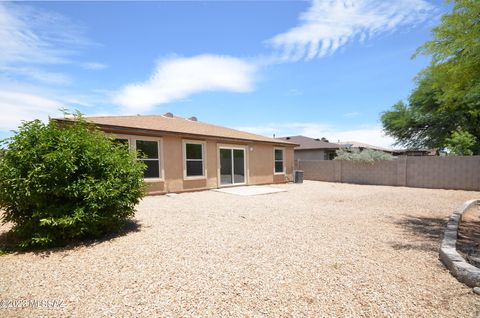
(402, 171)
(338, 170)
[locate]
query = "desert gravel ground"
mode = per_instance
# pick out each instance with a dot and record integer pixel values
(319, 250)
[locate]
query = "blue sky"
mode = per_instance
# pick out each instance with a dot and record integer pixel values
(321, 68)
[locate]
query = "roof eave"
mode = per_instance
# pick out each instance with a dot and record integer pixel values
(158, 132)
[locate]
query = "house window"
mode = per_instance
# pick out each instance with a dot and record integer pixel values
(150, 155)
(279, 164)
(194, 159)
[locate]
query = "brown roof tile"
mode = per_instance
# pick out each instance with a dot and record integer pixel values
(179, 125)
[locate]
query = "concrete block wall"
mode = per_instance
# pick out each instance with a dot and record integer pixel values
(444, 172)
(325, 171)
(382, 172)
(457, 172)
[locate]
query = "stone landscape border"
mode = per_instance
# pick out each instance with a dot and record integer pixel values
(458, 266)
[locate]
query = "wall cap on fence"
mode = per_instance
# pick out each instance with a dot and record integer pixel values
(456, 264)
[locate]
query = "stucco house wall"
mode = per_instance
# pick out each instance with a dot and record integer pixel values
(259, 163)
(313, 154)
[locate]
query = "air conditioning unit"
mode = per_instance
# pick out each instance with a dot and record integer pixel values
(298, 176)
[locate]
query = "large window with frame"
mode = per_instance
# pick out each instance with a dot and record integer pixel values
(149, 153)
(194, 159)
(279, 160)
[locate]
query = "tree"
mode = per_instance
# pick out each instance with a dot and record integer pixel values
(461, 143)
(455, 51)
(447, 93)
(420, 123)
(60, 184)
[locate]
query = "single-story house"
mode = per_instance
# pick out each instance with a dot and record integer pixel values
(394, 152)
(312, 148)
(186, 155)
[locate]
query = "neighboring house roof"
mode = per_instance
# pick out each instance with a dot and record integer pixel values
(173, 124)
(310, 143)
(361, 145)
(415, 152)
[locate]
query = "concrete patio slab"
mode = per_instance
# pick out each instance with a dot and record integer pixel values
(250, 190)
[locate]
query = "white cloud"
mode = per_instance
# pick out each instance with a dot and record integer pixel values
(36, 74)
(372, 134)
(32, 36)
(179, 77)
(94, 66)
(329, 24)
(18, 106)
(29, 36)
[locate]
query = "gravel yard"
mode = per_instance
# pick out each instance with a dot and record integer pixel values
(320, 249)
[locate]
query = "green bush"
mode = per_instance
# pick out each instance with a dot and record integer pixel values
(59, 185)
(461, 143)
(366, 155)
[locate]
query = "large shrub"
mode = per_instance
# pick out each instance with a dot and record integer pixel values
(60, 184)
(366, 155)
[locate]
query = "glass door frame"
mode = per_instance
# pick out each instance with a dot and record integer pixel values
(245, 166)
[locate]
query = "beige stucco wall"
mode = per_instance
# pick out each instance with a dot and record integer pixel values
(313, 154)
(453, 172)
(259, 164)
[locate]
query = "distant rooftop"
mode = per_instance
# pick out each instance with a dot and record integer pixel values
(310, 143)
(361, 145)
(317, 143)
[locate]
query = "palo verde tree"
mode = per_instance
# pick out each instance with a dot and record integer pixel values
(446, 99)
(61, 184)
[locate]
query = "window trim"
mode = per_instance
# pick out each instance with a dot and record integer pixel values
(204, 159)
(132, 145)
(275, 161)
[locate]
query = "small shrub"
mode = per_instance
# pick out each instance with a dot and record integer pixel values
(59, 185)
(366, 155)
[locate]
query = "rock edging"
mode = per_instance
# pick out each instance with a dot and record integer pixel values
(456, 264)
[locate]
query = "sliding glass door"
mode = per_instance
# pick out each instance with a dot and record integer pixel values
(226, 165)
(232, 166)
(238, 166)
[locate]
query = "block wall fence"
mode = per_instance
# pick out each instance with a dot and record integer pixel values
(454, 172)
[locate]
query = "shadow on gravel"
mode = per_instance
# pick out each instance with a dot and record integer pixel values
(7, 242)
(427, 233)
